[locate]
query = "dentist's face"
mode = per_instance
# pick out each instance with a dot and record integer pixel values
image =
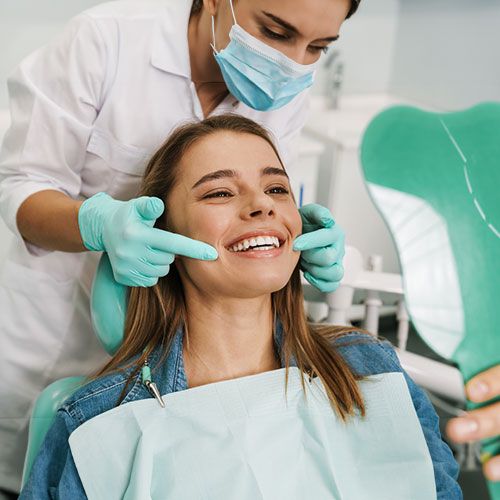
(300, 29)
(233, 193)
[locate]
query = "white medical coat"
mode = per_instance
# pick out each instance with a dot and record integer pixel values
(88, 110)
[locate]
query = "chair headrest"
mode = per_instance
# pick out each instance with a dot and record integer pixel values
(108, 306)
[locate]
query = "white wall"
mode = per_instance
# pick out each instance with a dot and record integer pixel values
(444, 54)
(27, 24)
(366, 45)
(447, 52)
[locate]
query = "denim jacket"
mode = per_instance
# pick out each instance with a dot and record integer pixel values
(54, 474)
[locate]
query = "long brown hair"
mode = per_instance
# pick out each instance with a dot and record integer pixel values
(154, 314)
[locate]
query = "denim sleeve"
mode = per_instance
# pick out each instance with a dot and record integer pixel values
(446, 468)
(54, 475)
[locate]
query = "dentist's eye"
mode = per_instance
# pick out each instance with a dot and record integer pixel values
(218, 194)
(315, 49)
(273, 35)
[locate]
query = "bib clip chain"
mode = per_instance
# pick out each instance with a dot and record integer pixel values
(150, 385)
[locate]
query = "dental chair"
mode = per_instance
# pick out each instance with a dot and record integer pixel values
(447, 206)
(434, 177)
(108, 308)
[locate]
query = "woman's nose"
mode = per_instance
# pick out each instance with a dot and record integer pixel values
(260, 205)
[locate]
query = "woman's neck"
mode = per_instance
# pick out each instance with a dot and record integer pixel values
(227, 338)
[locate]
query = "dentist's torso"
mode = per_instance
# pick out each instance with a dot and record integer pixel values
(88, 112)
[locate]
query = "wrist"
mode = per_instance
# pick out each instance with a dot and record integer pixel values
(91, 215)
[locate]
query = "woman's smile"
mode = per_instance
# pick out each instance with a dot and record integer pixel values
(258, 244)
(259, 252)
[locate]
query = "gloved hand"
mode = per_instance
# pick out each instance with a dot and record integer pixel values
(139, 253)
(322, 248)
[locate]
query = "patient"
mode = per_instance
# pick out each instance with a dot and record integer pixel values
(223, 183)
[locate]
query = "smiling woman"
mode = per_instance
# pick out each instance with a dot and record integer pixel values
(226, 340)
(251, 284)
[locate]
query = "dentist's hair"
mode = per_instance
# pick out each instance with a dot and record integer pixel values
(198, 4)
(154, 314)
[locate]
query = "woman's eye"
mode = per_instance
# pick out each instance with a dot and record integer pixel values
(227, 194)
(218, 194)
(279, 190)
(272, 34)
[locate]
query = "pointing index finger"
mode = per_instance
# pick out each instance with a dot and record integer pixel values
(181, 245)
(319, 238)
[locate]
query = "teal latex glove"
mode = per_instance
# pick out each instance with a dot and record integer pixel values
(139, 253)
(322, 248)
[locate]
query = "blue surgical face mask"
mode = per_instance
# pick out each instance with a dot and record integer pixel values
(261, 77)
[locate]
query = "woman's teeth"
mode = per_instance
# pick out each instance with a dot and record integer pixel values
(259, 243)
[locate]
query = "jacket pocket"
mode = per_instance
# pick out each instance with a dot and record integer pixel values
(125, 164)
(124, 158)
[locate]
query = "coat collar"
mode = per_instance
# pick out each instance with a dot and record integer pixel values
(170, 48)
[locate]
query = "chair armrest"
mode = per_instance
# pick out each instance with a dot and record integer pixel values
(43, 414)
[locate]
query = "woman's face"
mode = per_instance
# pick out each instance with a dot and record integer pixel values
(233, 193)
(300, 29)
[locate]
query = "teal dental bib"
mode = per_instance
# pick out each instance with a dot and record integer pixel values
(244, 439)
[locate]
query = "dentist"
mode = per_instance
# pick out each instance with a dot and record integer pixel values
(88, 110)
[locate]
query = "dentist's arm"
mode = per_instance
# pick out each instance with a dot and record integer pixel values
(49, 219)
(139, 253)
(483, 422)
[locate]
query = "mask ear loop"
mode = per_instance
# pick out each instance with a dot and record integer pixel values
(213, 27)
(213, 37)
(232, 11)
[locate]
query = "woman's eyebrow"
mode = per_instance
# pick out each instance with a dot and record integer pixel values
(221, 174)
(212, 176)
(273, 171)
(292, 29)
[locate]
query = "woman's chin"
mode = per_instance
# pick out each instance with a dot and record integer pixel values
(242, 277)
(255, 286)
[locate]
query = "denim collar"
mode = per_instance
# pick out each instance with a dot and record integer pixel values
(170, 376)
